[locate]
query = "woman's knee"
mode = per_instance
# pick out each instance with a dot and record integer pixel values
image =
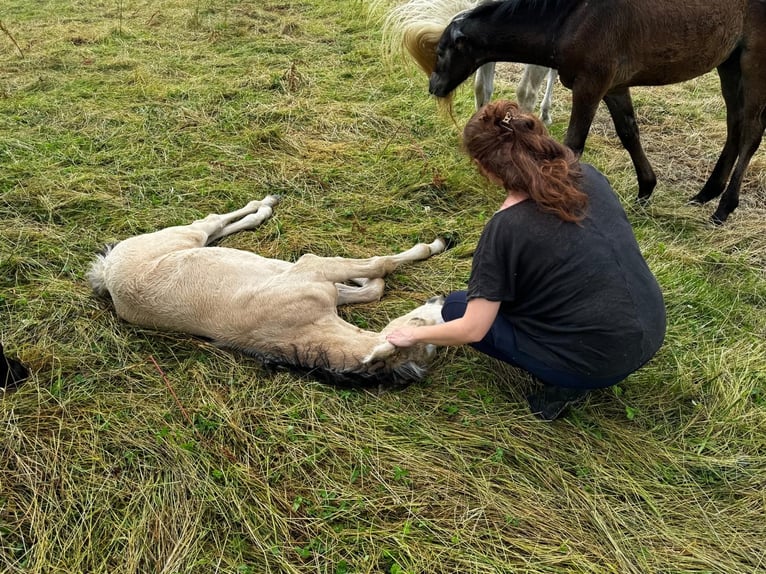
(454, 305)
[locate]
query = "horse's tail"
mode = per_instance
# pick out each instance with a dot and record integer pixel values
(95, 275)
(417, 25)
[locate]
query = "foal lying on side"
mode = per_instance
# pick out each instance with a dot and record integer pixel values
(278, 311)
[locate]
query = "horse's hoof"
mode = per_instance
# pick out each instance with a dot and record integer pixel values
(16, 373)
(695, 200)
(643, 201)
(718, 219)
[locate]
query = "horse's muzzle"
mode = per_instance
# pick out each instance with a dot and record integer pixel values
(437, 86)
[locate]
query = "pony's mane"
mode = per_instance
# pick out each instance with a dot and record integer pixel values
(378, 378)
(416, 27)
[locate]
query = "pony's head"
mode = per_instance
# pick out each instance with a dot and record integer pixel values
(406, 363)
(456, 57)
(386, 367)
(417, 26)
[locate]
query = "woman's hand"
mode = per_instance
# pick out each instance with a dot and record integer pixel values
(404, 337)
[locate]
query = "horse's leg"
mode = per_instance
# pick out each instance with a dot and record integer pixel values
(340, 269)
(251, 216)
(545, 107)
(585, 99)
(365, 291)
(620, 107)
(529, 86)
(753, 125)
(484, 84)
(730, 74)
(750, 141)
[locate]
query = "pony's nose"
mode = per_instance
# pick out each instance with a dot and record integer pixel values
(436, 86)
(436, 300)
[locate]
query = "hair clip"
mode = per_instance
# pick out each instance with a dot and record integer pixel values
(505, 123)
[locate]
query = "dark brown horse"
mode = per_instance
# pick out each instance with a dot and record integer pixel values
(603, 47)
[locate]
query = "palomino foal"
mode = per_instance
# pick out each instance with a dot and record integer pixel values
(278, 311)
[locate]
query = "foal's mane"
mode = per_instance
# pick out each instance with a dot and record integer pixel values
(316, 365)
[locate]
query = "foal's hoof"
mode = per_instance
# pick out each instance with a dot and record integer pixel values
(272, 200)
(450, 239)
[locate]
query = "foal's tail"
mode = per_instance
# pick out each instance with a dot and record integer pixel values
(417, 25)
(95, 274)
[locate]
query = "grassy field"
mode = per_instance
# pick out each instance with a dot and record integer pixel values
(136, 451)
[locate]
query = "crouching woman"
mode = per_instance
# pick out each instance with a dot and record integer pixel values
(558, 285)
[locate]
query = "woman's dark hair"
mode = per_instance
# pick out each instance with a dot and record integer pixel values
(516, 148)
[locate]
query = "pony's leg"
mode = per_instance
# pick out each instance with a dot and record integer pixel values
(753, 108)
(203, 231)
(483, 84)
(751, 140)
(251, 216)
(753, 126)
(585, 99)
(730, 74)
(365, 291)
(545, 107)
(529, 86)
(340, 269)
(620, 107)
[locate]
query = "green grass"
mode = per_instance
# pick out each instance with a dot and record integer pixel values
(136, 451)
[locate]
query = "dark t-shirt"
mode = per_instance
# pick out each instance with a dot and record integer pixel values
(580, 296)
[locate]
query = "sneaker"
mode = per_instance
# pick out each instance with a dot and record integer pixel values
(552, 402)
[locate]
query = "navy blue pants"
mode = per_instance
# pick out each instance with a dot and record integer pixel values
(500, 343)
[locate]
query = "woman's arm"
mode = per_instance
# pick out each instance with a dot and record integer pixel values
(470, 328)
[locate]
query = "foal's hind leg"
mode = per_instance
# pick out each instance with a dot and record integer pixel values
(365, 291)
(251, 216)
(340, 269)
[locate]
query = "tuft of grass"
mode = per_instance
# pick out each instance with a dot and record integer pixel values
(136, 451)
